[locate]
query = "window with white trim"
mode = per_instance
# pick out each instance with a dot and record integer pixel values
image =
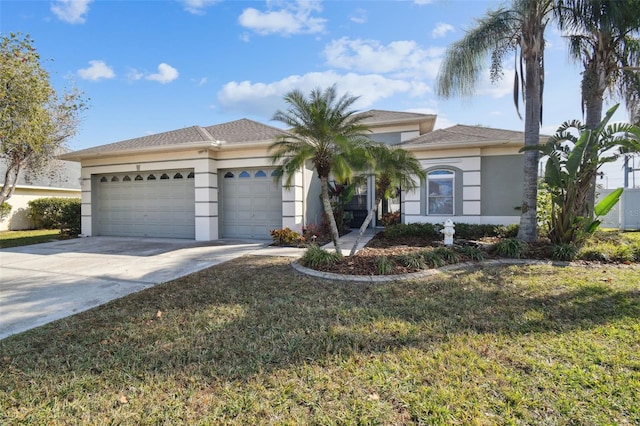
(440, 192)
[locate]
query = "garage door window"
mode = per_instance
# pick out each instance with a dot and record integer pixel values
(260, 174)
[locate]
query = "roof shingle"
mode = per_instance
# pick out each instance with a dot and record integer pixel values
(461, 134)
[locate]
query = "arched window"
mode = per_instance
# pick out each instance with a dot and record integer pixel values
(126, 179)
(229, 175)
(104, 179)
(276, 173)
(115, 179)
(260, 173)
(440, 192)
(191, 175)
(139, 177)
(164, 176)
(244, 174)
(177, 176)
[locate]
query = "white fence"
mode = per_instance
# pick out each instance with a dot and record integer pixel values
(626, 214)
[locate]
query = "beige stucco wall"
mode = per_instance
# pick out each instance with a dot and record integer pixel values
(18, 218)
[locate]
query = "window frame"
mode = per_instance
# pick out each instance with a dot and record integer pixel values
(438, 174)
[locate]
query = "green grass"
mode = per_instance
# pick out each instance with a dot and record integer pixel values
(24, 238)
(253, 342)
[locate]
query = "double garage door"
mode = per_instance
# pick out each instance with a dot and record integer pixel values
(150, 204)
(251, 202)
(162, 203)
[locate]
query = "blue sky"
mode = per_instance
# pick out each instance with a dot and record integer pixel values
(152, 66)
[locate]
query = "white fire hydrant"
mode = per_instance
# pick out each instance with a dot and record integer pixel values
(448, 231)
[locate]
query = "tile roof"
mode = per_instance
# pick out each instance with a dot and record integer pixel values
(378, 115)
(238, 131)
(461, 134)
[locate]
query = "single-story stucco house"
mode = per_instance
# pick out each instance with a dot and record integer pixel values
(57, 179)
(207, 183)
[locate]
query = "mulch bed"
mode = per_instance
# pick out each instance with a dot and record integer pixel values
(365, 261)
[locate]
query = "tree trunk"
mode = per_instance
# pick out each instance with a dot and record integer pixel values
(528, 230)
(364, 226)
(10, 181)
(593, 111)
(328, 211)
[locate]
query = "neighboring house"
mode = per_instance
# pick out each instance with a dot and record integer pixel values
(58, 179)
(207, 183)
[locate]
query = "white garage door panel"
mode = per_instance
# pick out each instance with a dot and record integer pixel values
(251, 203)
(147, 207)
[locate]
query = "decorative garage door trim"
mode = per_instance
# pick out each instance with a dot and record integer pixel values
(158, 203)
(251, 202)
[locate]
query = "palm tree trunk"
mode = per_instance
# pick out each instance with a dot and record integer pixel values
(528, 230)
(364, 226)
(593, 112)
(328, 211)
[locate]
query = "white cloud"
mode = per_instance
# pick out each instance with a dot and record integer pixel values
(402, 58)
(166, 74)
(134, 74)
(97, 70)
(441, 30)
(264, 99)
(359, 16)
(197, 7)
(498, 89)
(291, 18)
(71, 11)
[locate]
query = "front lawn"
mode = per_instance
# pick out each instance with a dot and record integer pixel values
(23, 238)
(253, 342)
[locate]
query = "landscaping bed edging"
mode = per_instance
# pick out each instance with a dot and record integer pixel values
(422, 274)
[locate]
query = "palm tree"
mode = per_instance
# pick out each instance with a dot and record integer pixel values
(603, 35)
(392, 167)
(519, 30)
(323, 130)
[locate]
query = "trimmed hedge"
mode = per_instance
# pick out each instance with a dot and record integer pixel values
(56, 213)
(465, 231)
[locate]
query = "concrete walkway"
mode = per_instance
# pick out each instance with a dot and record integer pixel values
(45, 282)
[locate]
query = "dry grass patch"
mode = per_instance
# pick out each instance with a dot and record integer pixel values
(253, 342)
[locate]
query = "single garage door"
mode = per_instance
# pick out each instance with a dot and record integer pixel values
(150, 204)
(251, 203)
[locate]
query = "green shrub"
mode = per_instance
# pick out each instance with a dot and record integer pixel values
(56, 213)
(472, 231)
(507, 231)
(564, 252)
(432, 258)
(593, 254)
(413, 260)
(384, 265)
(473, 253)
(315, 256)
(623, 253)
(425, 230)
(447, 255)
(511, 248)
(286, 237)
(5, 209)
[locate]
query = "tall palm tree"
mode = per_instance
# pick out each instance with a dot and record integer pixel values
(517, 30)
(603, 35)
(392, 167)
(323, 130)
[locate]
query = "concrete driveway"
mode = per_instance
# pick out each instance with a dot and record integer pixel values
(45, 282)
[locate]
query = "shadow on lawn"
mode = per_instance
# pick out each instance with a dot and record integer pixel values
(256, 314)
